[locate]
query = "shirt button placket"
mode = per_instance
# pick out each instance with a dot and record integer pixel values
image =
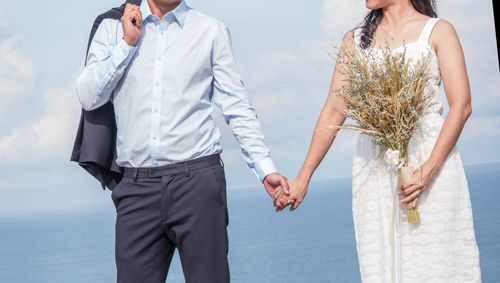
(157, 90)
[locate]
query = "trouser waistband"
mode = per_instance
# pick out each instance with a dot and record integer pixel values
(172, 169)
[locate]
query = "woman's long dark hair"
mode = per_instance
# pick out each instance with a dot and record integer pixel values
(426, 7)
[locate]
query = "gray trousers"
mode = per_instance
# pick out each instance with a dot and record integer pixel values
(179, 206)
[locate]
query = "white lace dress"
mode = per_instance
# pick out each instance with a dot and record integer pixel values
(442, 247)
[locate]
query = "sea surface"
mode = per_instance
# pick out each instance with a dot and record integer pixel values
(314, 244)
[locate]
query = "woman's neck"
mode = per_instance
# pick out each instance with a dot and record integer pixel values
(398, 14)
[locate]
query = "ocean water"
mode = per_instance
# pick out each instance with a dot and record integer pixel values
(314, 244)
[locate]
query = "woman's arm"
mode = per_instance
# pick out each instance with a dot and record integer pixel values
(456, 85)
(332, 114)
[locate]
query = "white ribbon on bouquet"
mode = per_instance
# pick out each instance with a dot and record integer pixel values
(394, 163)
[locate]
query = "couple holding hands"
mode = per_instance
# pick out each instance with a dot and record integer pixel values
(155, 69)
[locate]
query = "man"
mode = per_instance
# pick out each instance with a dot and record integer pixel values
(162, 66)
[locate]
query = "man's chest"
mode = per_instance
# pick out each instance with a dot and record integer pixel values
(165, 51)
(171, 66)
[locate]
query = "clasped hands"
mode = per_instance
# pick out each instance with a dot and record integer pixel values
(285, 192)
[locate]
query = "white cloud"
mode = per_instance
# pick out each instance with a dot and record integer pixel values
(17, 75)
(284, 79)
(49, 137)
(485, 92)
(3, 24)
(277, 62)
(494, 87)
(341, 16)
(482, 127)
(468, 16)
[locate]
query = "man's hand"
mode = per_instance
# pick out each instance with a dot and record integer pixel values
(131, 24)
(275, 181)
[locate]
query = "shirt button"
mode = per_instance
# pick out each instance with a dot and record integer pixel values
(159, 58)
(156, 110)
(154, 138)
(157, 84)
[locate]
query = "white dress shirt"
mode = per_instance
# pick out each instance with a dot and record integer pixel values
(162, 90)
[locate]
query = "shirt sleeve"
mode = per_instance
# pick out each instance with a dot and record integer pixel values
(231, 97)
(107, 60)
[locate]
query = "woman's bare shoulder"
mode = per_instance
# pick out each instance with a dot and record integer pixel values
(348, 39)
(443, 29)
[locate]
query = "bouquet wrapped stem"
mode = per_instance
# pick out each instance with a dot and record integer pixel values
(405, 173)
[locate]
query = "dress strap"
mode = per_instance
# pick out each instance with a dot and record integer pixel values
(426, 32)
(357, 36)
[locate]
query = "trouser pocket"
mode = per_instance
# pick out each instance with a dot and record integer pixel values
(115, 193)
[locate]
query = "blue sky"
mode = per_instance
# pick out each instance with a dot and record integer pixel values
(278, 44)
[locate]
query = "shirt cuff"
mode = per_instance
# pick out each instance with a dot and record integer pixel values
(122, 53)
(264, 167)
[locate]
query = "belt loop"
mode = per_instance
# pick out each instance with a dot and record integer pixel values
(135, 174)
(186, 169)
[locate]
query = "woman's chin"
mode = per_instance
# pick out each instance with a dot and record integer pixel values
(374, 4)
(371, 7)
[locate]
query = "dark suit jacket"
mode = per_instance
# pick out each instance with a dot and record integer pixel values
(95, 143)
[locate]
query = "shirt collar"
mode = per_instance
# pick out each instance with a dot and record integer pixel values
(179, 12)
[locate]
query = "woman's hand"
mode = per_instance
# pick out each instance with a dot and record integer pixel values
(418, 183)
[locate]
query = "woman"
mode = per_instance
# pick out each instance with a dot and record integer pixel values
(442, 248)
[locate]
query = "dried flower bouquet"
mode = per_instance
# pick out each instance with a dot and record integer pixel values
(386, 98)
